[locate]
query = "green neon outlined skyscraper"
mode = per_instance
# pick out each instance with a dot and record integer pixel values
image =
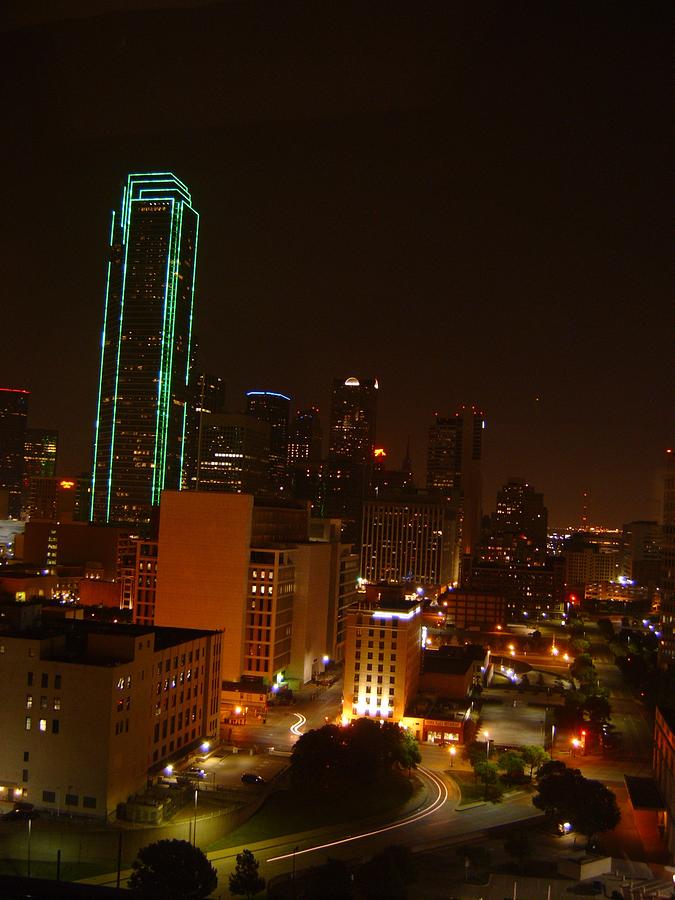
(145, 353)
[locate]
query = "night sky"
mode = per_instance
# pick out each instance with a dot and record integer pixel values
(464, 200)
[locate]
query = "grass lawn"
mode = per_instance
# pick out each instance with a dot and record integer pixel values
(289, 811)
(473, 791)
(70, 871)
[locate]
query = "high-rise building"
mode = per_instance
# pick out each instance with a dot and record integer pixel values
(519, 525)
(233, 454)
(40, 452)
(409, 538)
(145, 354)
(454, 467)
(305, 437)
(274, 409)
(13, 420)
(350, 452)
(206, 396)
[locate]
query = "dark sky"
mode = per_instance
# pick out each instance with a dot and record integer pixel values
(465, 200)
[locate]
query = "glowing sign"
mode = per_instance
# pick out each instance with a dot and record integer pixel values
(379, 453)
(66, 485)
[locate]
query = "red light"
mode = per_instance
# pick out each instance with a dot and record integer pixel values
(379, 452)
(14, 390)
(583, 732)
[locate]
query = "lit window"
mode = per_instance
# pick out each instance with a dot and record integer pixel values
(29, 701)
(29, 723)
(43, 725)
(57, 703)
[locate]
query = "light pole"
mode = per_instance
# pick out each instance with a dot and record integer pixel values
(487, 744)
(194, 830)
(30, 828)
(453, 750)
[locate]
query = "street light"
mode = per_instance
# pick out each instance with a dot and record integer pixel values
(487, 743)
(194, 830)
(453, 750)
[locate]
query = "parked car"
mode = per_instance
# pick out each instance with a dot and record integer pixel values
(252, 778)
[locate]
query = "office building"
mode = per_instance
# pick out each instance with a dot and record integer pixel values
(40, 452)
(247, 567)
(530, 591)
(382, 656)
(454, 468)
(52, 499)
(305, 437)
(518, 527)
(664, 774)
(13, 421)
(274, 409)
(350, 451)
(462, 608)
(642, 553)
(411, 538)
(88, 709)
(206, 395)
(233, 454)
(145, 354)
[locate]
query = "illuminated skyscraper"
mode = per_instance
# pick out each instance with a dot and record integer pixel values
(206, 396)
(454, 467)
(145, 355)
(13, 419)
(40, 450)
(350, 453)
(274, 409)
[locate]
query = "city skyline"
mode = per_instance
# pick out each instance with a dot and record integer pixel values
(465, 237)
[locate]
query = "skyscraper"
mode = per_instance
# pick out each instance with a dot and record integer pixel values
(233, 454)
(454, 467)
(206, 395)
(145, 354)
(305, 437)
(274, 409)
(519, 525)
(40, 452)
(13, 420)
(353, 417)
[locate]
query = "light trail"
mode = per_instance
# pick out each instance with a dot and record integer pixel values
(439, 801)
(297, 725)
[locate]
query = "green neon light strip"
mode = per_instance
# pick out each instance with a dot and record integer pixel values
(100, 373)
(117, 372)
(173, 287)
(189, 342)
(161, 388)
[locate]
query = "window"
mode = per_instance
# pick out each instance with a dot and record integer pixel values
(49, 796)
(370, 645)
(29, 723)
(57, 703)
(379, 679)
(89, 802)
(55, 726)
(393, 645)
(42, 724)
(26, 755)
(391, 692)
(43, 703)
(29, 680)
(57, 682)
(44, 681)
(72, 800)
(29, 701)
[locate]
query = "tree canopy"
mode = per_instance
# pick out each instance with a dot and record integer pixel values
(172, 870)
(565, 795)
(363, 751)
(246, 880)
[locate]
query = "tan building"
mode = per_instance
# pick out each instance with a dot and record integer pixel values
(87, 709)
(247, 567)
(664, 772)
(382, 658)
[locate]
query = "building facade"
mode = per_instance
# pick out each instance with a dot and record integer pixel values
(382, 658)
(274, 409)
(206, 395)
(664, 772)
(233, 455)
(351, 446)
(13, 422)
(149, 693)
(408, 539)
(145, 354)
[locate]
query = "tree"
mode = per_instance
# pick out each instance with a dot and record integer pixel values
(172, 870)
(488, 773)
(512, 763)
(409, 755)
(534, 757)
(566, 796)
(246, 880)
(474, 752)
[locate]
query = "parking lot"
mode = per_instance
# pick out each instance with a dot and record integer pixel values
(513, 726)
